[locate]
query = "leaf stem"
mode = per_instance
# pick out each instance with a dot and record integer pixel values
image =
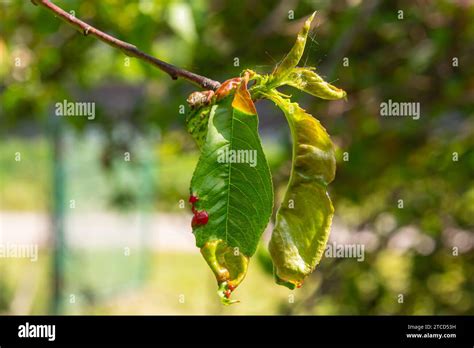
(129, 49)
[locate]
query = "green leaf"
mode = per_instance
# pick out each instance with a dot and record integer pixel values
(237, 197)
(304, 218)
(293, 57)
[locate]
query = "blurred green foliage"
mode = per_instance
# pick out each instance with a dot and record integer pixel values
(426, 163)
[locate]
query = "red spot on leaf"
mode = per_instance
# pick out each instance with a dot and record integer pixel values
(200, 218)
(193, 199)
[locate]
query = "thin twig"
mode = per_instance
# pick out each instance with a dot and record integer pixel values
(128, 49)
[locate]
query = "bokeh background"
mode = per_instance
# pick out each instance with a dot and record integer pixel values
(114, 236)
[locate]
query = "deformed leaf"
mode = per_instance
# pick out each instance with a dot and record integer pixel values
(308, 81)
(229, 267)
(291, 60)
(287, 73)
(304, 218)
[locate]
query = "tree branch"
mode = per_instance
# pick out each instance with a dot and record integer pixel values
(128, 49)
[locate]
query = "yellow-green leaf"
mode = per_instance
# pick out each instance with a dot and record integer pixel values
(293, 57)
(308, 81)
(304, 218)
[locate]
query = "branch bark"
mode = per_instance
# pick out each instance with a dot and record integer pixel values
(129, 49)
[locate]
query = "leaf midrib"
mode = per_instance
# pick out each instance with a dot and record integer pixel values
(230, 175)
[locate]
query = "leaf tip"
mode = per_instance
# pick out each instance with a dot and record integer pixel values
(310, 19)
(242, 99)
(307, 25)
(228, 267)
(224, 292)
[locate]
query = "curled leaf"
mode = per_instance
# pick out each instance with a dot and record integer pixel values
(308, 81)
(287, 73)
(293, 57)
(228, 266)
(304, 218)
